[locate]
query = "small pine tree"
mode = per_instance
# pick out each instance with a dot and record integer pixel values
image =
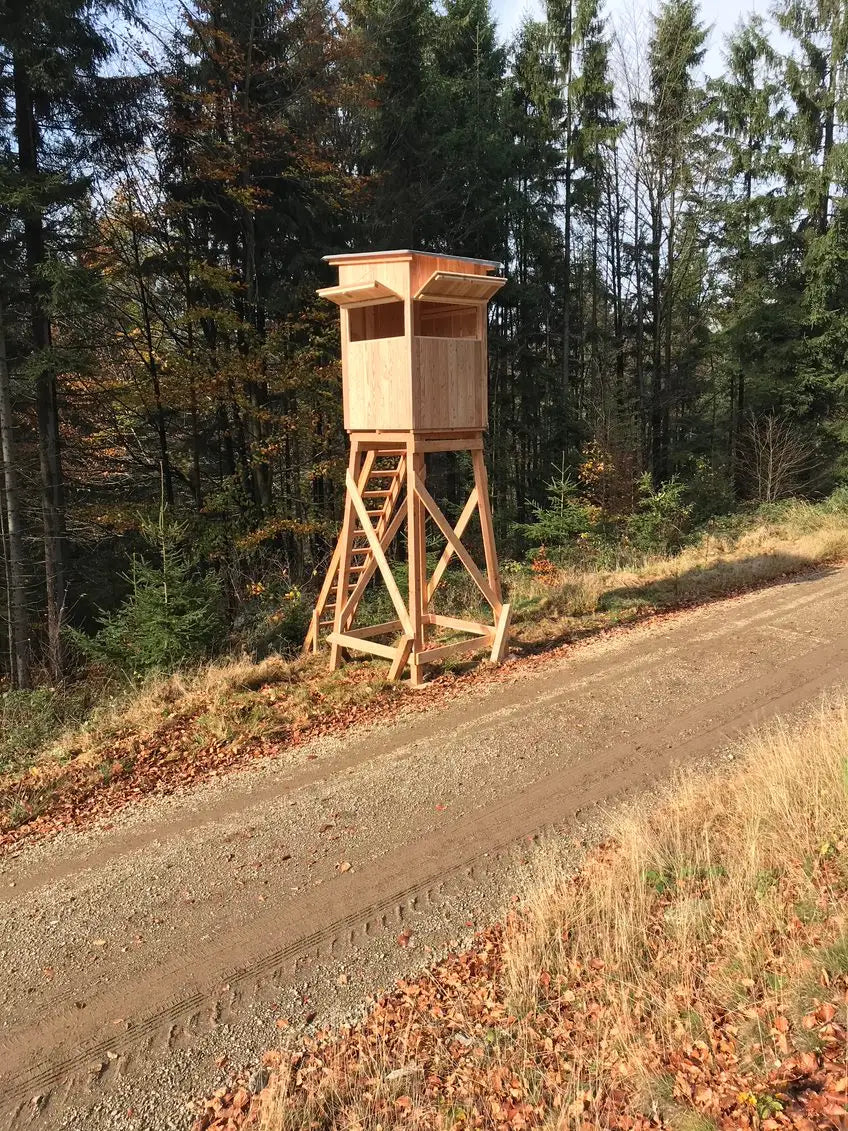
(171, 615)
(661, 522)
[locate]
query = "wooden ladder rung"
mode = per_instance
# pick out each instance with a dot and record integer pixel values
(375, 494)
(373, 514)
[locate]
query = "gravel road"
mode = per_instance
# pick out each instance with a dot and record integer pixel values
(138, 954)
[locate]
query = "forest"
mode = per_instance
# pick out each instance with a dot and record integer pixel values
(673, 338)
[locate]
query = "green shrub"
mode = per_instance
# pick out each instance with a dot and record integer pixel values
(563, 519)
(27, 719)
(837, 501)
(662, 521)
(274, 619)
(709, 490)
(172, 614)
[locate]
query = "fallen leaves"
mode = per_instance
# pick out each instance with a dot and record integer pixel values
(445, 1052)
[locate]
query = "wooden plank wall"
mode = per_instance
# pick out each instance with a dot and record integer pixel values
(448, 384)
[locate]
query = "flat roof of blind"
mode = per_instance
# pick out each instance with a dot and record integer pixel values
(346, 257)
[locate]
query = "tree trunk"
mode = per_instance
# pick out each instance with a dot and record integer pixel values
(52, 486)
(829, 137)
(16, 579)
(641, 391)
(657, 393)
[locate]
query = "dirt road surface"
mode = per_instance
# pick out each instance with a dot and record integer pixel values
(136, 954)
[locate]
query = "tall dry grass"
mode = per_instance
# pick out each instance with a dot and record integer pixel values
(726, 868)
(796, 537)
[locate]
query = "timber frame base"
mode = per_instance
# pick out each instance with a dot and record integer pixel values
(385, 491)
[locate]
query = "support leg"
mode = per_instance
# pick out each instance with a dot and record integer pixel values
(500, 643)
(345, 544)
(401, 656)
(481, 482)
(417, 547)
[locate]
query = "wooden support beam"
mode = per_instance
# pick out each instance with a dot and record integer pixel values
(332, 575)
(448, 444)
(448, 552)
(417, 560)
(500, 642)
(345, 640)
(371, 566)
(454, 648)
(311, 641)
(458, 548)
(459, 625)
(401, 658)
(356, 472)
(370, 630)
(377, 550)
(481, 482)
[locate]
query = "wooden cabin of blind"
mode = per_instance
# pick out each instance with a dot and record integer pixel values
(414, 379)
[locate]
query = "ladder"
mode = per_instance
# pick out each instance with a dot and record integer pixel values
(380, 482)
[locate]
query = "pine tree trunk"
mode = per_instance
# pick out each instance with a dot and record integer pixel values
(197, 486)
(657, 396)
(52, 485)
(640, 329)
(828, 140)
(566, 287)
(16, 579)
(668, 314)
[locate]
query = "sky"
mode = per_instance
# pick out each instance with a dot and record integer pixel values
(723, 15)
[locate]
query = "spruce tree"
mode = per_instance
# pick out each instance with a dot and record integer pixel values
(55, 106)
(672, 117)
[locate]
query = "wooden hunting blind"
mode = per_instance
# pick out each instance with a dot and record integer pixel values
(414, 378)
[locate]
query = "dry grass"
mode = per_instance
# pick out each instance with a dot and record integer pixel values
(799, 536)
(728, 873)
(692, 976)
(177, 727)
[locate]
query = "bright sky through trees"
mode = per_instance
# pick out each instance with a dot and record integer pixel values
(723, 15)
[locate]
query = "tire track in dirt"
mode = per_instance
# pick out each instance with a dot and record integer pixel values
(202, 989)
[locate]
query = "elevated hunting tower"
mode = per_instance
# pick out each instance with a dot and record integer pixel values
(413, 331)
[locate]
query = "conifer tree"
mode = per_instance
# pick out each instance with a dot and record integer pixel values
(672, 117)
(751, 115)
(55, 107)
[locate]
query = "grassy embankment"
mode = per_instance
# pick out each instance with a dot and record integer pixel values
(692, 976)
(67, 745)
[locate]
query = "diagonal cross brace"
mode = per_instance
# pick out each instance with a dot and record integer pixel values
(454, 542)
(371, 568)
(448, 552)
(379, 555)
